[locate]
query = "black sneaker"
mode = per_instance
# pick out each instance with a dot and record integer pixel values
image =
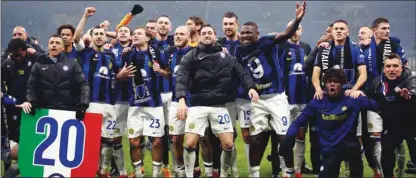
(410, 171)
(410, 164)
(306, 170)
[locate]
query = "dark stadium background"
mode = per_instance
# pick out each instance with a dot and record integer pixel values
(41, 18)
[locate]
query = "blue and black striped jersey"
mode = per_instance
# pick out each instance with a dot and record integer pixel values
(292, 60)
(261, 59)
(99, 70)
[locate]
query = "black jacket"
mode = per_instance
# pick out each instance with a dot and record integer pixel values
(211, 76)
(398, 114)
(14, 75)
(61, 85)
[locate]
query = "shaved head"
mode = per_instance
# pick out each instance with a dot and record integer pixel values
(20, 32)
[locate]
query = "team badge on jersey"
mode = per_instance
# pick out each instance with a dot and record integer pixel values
(344, 108)
(65, 68)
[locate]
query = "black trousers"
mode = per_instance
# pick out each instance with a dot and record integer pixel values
(347, 151)
(13, 120)
(389, 142)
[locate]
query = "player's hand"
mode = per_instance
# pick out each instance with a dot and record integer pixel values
(404, 93)
(26, 107)
(354, 93)
(80, 113)
(105, 24)
(324, 44)
(225, 50)
(300, 10)
(182, 109)
(1, 94)
(31, 51)
(89, 11)
(107, 46)
(319, 94)
(253, 95)
(156, 66)
(126, 50)
(126, 72)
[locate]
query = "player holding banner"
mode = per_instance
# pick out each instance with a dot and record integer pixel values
(145, 115)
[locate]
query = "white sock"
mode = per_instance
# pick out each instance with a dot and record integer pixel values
(289, 172)
(234, 164)
(255, 171)
(118, 155)
(208, 169)
(299, 154)
(137, 168)
(247, 151)
(226, 161)
(362, 153)
(181, 170)
(189, 160)
(377, 154)
(106, 154)
(401, 158)
(156, 168)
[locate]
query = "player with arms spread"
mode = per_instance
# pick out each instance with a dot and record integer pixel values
(260, 57)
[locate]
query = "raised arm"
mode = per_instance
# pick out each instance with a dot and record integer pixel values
(284, 36)
(89, 11)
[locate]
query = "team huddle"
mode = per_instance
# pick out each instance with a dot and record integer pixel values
(185, 92)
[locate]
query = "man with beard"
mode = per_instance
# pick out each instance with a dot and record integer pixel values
(205, 65)
(145, 114)
(162, 41)
(336, 116)
(67, 33)
(241, 106)
(294, 52)
(195, 24)
(99, 67)
(260, 57)
(394, 89)
(151, 27)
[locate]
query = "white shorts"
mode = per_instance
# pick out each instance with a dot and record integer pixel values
(374, 122)
(244, 112)
(232, 110)
(166, 100)
(359, 126)
(199, 116)
(109, 123)
(295, 110)
(274, 105)
(176, 127)
(147, 121)
(122, 109)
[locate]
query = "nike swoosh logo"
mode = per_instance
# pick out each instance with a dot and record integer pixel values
(44, 68)
(226, 128)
